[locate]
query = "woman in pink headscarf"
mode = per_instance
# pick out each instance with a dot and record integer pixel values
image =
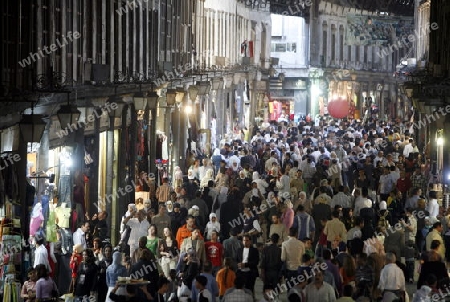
(287, 218)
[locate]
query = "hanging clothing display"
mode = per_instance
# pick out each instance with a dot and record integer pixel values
(140, 145)
(63, 215)
(51, 227)
(11, 291)
(65, 189)
(36, 219)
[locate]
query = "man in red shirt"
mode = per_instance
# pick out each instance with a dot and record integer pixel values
(214, 252)
(404, 184)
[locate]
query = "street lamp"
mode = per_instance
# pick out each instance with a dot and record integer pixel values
(119, 104)
(409, 92)
(68, 115)
(193, 92)
(203, 87)
(217, 83)
(140, 101)
(152, 98)
(188, 109)
(180, 95)
(171, 95)
(32, 127)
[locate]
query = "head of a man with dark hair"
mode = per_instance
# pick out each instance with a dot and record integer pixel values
(293, 232)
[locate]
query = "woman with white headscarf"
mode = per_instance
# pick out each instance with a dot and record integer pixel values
(212, 225)
(208, 176)
(216, 159)
(260, 183)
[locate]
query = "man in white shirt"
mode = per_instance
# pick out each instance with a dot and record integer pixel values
(79, 237)
(410, 226)
(292, 251)
(408, 148)
(392, 278)
(433, 206)
(341, 199)
(41, 254)
(319, 290)
(362, 202)
(380, 158)
(139, 225)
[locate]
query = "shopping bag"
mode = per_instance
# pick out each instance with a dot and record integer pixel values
(69, 298)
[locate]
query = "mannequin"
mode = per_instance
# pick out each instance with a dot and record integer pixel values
(178, 176)
(65, 184)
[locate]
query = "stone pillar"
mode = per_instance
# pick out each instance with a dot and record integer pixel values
(176, 135)
(93, 181)
(110, 167)
(151, 139)
(42, 160)
(21, 167)
(123, 173)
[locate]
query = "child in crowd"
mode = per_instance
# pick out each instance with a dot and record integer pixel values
(29, 287)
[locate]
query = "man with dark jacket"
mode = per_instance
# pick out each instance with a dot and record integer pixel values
(231, 247)
(248, 259)
(201, 204)
(271, 262)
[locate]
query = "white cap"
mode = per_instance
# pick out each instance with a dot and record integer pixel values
(383, 205)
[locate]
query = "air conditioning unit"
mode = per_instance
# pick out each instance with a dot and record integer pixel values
(98, 72)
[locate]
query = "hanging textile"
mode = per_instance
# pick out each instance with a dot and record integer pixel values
(51, 227)
(11, 291)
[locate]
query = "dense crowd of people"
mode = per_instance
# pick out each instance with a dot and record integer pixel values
(338, 211)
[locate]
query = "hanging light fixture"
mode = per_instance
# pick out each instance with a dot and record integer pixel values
(140, 101)
(119, 104)
(193, 92)
(203, 87)
(32, 127)
(180, 95)
(217, 83)
(152, 98)
(171, 95)
(68, 115)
